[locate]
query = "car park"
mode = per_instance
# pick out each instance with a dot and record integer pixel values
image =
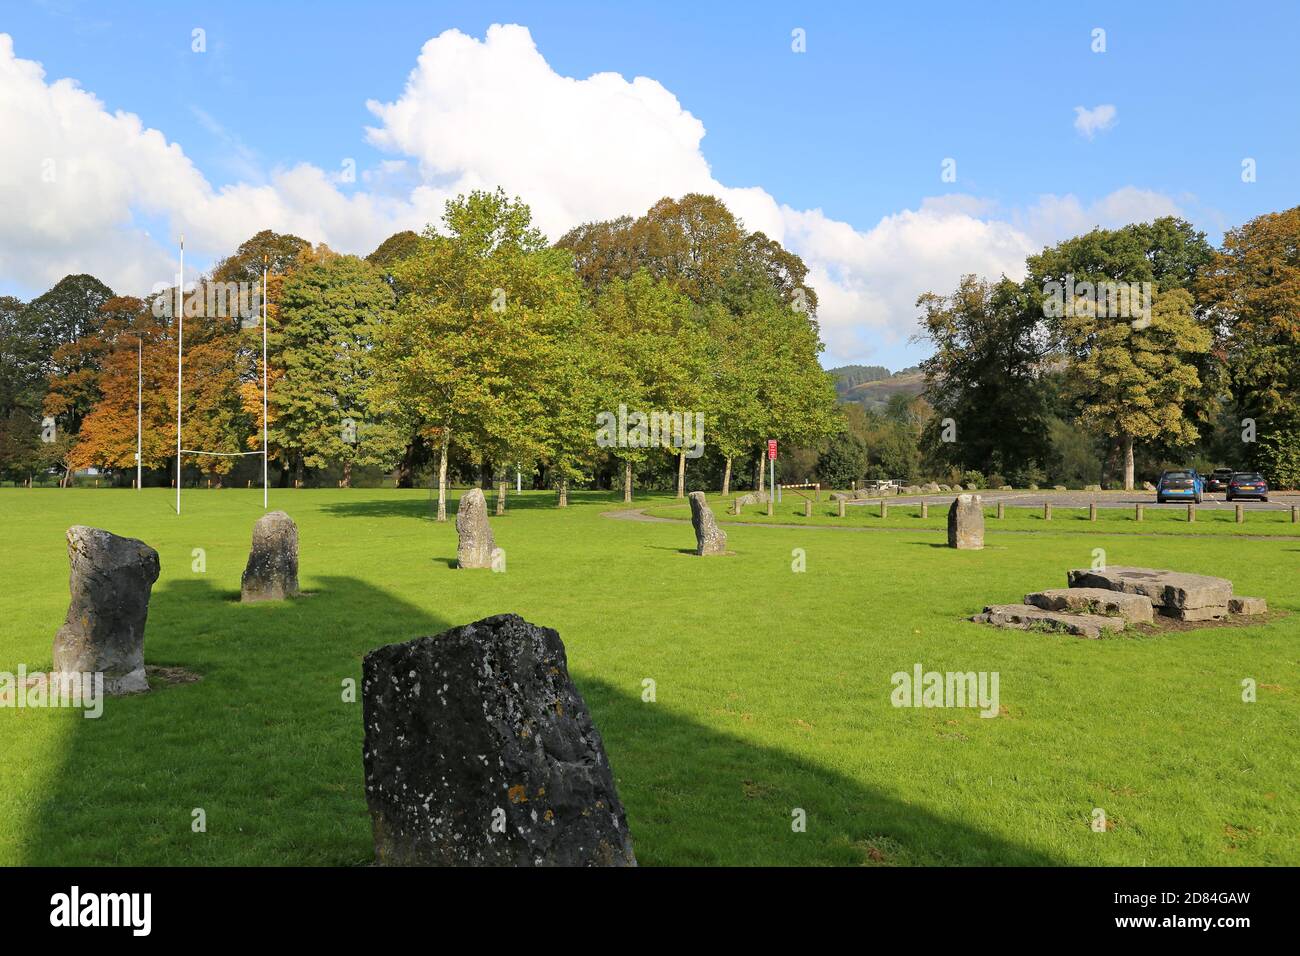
(1247, 484)
(1182, 485)
(1218, 479)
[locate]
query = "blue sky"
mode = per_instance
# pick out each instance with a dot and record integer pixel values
(856, 127)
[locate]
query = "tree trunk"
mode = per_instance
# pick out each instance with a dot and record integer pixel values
(627, 482)
(726, 479)
(299, 471)
(762, 473)
(501, 498)
(347, 474)
(1128, 462)
(681, 474)
(564, 493)
(442, 475)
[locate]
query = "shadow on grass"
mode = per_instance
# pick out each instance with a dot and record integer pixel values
(266, 749)
(420, 505)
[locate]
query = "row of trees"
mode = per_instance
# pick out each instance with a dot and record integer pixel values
(476, 345)
(1200, 366)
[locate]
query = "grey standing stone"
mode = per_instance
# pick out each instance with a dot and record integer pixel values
(474, 545)
(709, 538)
(966, 523)
(111, 581)
(479, 751)
(272, 570)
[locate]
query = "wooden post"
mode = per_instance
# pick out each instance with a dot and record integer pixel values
(817, 491)
(1295, 514)
(841, 507)
(807, 508)
(925, 509)
(1002, 513)
(771, 499)
(1191, 511)
(1138, 510)
(1047, 511)
(1092, 511)
(738, 505)
(884, 509)
(1241, 514)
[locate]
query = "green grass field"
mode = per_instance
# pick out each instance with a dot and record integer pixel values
(772, 687)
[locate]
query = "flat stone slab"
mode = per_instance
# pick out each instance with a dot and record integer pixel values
(1133, 608)
(1196, 613)
(1247, 605)
(1024, 616)
(1167, 589)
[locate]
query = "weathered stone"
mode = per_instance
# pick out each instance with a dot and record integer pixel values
(480, 751)
(272, 570)
(1024, 617)
(966, 523)
(1196, 613)
(1059, 488)
(1167, 589)
(1247, 605)
(1147, 486)
(111, 581)
(840, 496)
(1092, 487)
(474, 541)
(1005, 488)
(1134, 608)
(930, 488)
(709, 538)
(945, 487)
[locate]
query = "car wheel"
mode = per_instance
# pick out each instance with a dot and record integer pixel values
(1265, 498)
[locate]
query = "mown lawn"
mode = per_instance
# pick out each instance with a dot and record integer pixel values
(772, 687)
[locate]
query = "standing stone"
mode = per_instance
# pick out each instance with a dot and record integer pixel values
(272, 570)
(966, 523)
(474, 545)
(479, 751)
(112, 578)
(709, 538)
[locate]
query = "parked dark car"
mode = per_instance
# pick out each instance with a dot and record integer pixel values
(1218, 479)
(1247, 484)
(1179, 486)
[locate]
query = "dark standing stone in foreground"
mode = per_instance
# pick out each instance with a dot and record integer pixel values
(479, 751)
(709, 538)
(272, 570)
(112, 578)
(474, 542)
(966, 523)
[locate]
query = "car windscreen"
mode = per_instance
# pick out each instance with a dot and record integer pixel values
(1177, 476)
(1247, 476)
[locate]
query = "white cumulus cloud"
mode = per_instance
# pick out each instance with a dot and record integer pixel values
(477, 113)
(1089, 122)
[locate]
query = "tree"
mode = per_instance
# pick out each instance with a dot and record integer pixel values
(989, 343)
(330, 312)
(1168, 254)
(465, 351)
(1135, 380)
(1251, 290)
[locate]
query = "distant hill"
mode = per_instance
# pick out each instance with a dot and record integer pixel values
(872, 386)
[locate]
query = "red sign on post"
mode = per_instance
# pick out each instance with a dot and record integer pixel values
(771, 449)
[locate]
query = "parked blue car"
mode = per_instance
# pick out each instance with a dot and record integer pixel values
(1179, 486)
(1247, 484)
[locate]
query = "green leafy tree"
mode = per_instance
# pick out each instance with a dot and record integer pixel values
(330, 312)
